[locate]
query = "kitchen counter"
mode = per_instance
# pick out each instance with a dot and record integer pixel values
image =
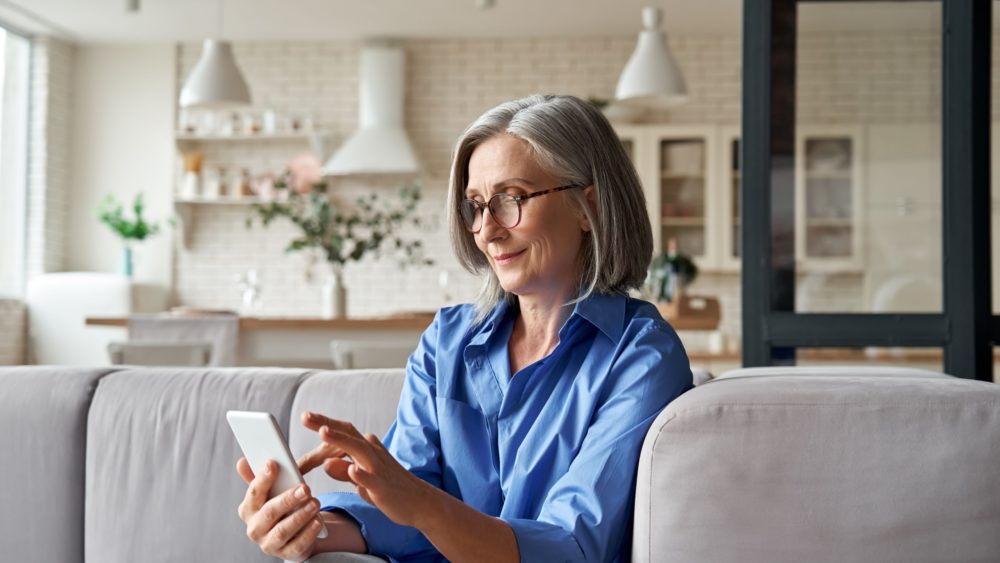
(396, 322)
(307, 342)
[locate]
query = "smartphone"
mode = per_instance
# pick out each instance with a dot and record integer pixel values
(261, 439)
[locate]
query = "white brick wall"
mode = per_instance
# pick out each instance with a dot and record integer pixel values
(48, 173)
(13, 326)
(843, 78)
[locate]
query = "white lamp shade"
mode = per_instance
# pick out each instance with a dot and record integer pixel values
(651, 75)
(216, 80)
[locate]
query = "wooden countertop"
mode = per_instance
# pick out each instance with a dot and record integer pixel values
(418, 322)
(408, 322)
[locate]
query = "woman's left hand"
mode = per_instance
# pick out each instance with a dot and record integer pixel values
(380, 479)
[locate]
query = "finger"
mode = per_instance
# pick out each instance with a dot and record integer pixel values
(359, 476)
(363, 493)
(243, 468)
(274, 510)
(315, 457)
(358, 448)
(315, 421)
(302, 543)
(337, 468)
(287, 528)
(256, 494)
(374, 440)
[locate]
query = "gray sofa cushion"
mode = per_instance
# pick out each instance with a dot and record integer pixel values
(839, 465)
(43, 417)
(366, 398)
(161, 481)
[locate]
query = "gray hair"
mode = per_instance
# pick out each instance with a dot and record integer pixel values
(570, 139)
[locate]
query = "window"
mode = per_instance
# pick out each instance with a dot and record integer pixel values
(14, 114)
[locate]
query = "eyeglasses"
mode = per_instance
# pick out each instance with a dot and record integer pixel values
(504, 208)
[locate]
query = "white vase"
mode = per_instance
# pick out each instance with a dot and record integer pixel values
(334, 295)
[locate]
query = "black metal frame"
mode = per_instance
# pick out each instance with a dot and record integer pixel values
(966, 329)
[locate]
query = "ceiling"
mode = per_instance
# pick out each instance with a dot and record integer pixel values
(108, 21)
(193, 20)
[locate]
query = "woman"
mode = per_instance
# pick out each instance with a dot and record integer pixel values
(522, 416)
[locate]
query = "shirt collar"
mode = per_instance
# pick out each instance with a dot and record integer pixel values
(488, 327)
(606, 311)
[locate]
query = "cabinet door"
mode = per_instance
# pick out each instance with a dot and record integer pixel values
(828, 196)
(681, 201)
(729, 198)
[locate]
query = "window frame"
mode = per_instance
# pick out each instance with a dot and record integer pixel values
(772, 330)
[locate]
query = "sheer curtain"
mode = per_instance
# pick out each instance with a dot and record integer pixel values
(14, 116)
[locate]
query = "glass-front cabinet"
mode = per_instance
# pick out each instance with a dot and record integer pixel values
(691, 179)
(677, 166)
(828, 198)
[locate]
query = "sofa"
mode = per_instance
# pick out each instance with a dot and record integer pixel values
(769, 464)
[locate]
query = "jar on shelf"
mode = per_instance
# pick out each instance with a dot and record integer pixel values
(246, 189)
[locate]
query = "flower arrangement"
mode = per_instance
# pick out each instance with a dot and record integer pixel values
(111, 213)
(340, 233)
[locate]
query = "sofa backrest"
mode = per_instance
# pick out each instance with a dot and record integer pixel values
(161, 482)
(823, 464)
(43, 437)
(366, 398)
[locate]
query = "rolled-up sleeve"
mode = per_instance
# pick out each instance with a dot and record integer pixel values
(414, 441)
(586, 514)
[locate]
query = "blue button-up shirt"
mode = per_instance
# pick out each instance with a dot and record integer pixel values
(553, 451)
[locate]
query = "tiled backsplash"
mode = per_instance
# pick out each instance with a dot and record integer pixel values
(450, 82)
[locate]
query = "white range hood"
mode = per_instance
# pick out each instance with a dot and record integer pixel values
(380, 145)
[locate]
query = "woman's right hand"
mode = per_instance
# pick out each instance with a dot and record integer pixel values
(285, 526)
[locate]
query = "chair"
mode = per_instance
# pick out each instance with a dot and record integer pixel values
(152, 353)
(369, 354)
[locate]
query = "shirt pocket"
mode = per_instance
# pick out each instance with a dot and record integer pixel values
(468, 464)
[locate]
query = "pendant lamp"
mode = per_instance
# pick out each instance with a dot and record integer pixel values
(651, 76)
(216, 81)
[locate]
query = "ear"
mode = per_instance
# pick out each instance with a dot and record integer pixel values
(591, 196)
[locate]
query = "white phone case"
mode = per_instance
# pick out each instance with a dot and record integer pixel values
(261, 439)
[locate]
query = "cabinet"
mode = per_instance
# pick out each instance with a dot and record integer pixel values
(691, 179)
(677, 166)
(828, 198)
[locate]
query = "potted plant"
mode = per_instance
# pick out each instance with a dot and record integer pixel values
(340, 233)
(112, 213)
(670, 273)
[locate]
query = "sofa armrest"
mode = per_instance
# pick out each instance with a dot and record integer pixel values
(846, 465)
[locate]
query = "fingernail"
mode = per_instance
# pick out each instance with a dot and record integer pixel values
(267, 468)
(300, 492)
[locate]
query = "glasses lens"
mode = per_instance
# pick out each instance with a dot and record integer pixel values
(505, 210)
(470, 214)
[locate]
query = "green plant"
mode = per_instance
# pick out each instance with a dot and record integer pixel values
(343, 233)
(668, 272)
(112, 214)
(598, 102)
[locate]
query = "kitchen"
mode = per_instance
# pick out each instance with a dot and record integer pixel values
(868, 74)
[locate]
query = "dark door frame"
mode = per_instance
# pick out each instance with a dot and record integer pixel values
(966, 328)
